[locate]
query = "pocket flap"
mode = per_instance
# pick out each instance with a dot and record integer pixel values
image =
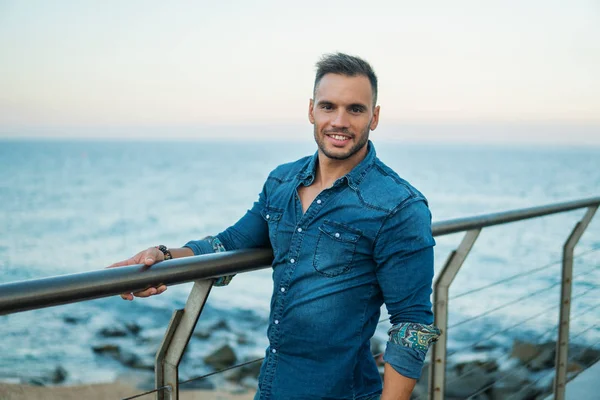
(340, 232)
(271, 214)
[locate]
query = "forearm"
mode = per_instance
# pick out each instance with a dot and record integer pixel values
(181, 252)
(395, 385)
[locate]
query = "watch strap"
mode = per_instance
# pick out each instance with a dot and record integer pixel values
(163, 249)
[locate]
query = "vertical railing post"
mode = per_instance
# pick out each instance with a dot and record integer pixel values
(441, 288)
(562, 344)
(176, 339)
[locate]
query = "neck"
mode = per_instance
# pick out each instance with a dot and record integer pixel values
(329, 170)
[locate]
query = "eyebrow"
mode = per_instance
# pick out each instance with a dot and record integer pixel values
(358, 105)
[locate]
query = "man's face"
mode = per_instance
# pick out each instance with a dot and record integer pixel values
(343, 113)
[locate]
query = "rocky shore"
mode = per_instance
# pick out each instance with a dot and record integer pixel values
(522, 372)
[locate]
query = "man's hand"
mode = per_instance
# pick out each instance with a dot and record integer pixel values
(147, 257)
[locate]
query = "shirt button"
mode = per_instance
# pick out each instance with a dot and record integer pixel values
(273, 351)
(319, 201)
(282, 290)
(299, 229)
(292, 261)
(268, 216)
(276, 322)
(337, 235)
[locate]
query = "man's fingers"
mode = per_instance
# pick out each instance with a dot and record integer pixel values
(146, 293)
(149, 261)
(120, 263)
(127, 296)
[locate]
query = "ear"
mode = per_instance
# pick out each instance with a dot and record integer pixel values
(311, 116)
(375, 119)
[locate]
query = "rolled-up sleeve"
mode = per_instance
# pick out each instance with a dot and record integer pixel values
(404, 255)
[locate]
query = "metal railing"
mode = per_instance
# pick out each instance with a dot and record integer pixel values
(202, 270)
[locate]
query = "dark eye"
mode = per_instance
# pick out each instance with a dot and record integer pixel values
(326, 106)
(356, 109)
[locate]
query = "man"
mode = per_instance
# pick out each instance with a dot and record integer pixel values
(348, 234)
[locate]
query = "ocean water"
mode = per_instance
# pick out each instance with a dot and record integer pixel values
(74, 206)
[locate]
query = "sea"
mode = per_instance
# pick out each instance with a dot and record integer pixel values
(69, 206)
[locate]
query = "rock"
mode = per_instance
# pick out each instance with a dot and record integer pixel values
(112, 332)
(247, 371)
(488, 366)
(221, 358)
(134, 361)
(109, 349)
(128, 358)
(220, 326)
(485, 347)
(202, 334)
(573, 369)
(467, 383)
(251, 370)
(587, 357)
(524, 352)
(36, 382)
(244, 339)
(512, 381)
(59, 375)
(70, 320)
(546, 357)
(133, 328)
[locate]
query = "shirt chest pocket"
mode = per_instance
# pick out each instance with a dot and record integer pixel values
(335, 249)
(272, 216)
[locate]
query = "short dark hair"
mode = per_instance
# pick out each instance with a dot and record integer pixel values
(344, 64)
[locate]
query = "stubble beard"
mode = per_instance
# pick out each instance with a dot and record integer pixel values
(320, 139)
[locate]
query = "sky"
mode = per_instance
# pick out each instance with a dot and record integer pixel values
(189, 69)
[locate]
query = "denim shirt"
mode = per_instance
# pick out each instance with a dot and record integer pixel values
(363, 242)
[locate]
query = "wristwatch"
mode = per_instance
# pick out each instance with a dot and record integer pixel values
(163, 249)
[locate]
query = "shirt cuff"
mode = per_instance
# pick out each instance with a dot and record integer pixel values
(209, 245)
(407, 347)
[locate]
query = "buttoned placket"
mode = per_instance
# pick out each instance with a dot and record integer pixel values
(302, 223)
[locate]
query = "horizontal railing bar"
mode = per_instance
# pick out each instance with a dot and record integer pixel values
(482, 221)
(64, 289)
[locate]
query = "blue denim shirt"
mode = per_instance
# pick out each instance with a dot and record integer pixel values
(362, 242)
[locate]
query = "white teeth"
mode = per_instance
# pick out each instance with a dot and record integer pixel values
(338, 137)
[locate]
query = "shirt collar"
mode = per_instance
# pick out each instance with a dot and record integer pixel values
(355, 176)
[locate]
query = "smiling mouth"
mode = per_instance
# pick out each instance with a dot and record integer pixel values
(338, 137)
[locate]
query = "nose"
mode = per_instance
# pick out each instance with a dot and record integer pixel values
(341, 119)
